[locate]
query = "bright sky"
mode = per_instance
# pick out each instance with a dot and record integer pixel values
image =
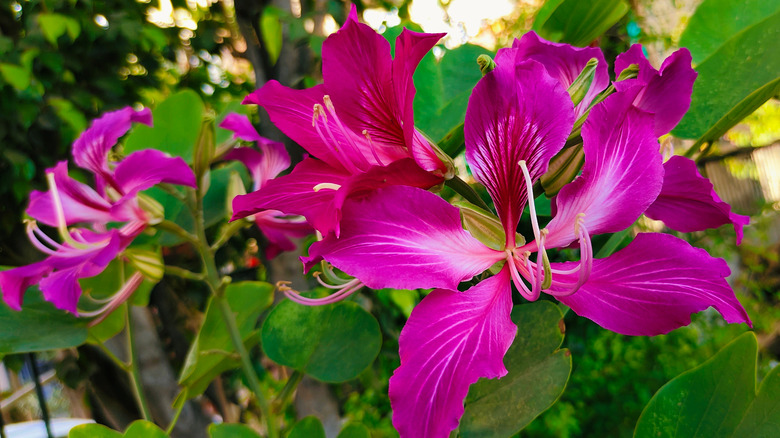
(466, 17)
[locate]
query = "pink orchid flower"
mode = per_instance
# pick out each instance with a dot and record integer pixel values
(264, 165)
(85, 252)
(358, 126)
(518, 118)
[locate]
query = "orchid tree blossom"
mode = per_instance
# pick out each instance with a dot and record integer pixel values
(518, 118)
(85, 251)
(264, 165)
(358, 126)
(687, 201)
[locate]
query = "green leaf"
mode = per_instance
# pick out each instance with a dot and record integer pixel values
(54, 26)
(332, 343)
(18, 77)
(578, 22)
(137, 429)
(93, 431)
(309, 427)
(212, 350)
(231, 430)
(69, 113)
(717, 21)
(144, 429)
(109, 327)
(271, 29)
(355, 430)
(443, 89)
(538, 372)
(38, 326)
(733, 81)
(177, 122)
(716, 399)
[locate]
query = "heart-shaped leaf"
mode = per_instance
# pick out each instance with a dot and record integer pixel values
(717, 399)
(332, 343)
(538, 372)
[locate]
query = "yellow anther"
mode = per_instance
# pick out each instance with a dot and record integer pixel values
(328, 103)
(329, 186)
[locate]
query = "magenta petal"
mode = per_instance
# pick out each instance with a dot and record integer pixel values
(90, 150)
(410, 48)
(278, 230)
(292, 112)
(241, 127)
(562, 61)
(653, 286)
(516, 112)
(80, 203)
(450, 341)
(405, 238)
(689, 203)
(14, 282)
(666, 94)
(145, 168)
(621, 177)
(295, 194)
(265, 164)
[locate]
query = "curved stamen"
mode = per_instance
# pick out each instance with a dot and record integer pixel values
(62, 225)
(33, 233)
(529, 187)
(333, 143)
(516, 278)
(330, 274)
(373, 148)
(329, 186)
(347, 290)
(345, 132)
(586, 260)
(120, 297)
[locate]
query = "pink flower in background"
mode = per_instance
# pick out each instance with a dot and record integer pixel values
(85, 252)
(358, 126)
(264, 165)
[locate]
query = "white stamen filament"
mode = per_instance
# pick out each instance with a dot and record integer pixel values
(516, 278)
(345, 161)
(586, 261)
(62, 225)
(529, 187)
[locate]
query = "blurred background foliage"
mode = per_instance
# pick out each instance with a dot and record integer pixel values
(63, 62)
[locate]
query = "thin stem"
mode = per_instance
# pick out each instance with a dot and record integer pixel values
(246, 364)
(135, 376)
(184, 273)
(465, 190)
(289, 389)
(217, 286)
(174, 228)
(119, 362)
(175, 418)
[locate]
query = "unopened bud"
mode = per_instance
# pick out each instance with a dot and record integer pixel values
(579, 88)
(629, 72)
(154, 210)
(148, 263)
(486, 64)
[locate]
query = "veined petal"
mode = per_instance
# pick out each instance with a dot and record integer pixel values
(410, 48)
(666, 94)
(406, 238)
(90, 150)
(516, 112)
(80, 203)
(621, 177)
(145, 168)
(265, 164)
(292, 112)
(450, 341)
(309, 190)
(241, 127)
(562, 61)
(357, 70)
(689, 203)
(653, 286)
